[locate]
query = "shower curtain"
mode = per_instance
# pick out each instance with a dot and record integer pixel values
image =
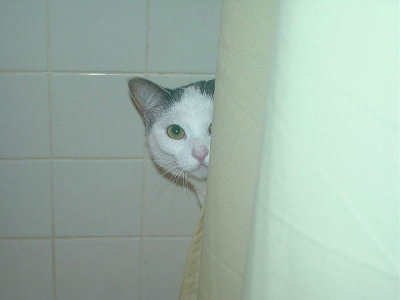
(303, 188)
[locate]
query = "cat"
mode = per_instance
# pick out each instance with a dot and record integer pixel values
(178, 127)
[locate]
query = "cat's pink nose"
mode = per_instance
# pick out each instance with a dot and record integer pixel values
(200, 153)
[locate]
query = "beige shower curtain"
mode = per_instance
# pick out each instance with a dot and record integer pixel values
(237, 125)
(303, 191)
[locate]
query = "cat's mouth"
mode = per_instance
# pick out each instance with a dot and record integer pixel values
(201, 171)
(203, 167)
(200, 168)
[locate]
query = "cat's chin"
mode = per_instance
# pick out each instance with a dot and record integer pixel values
(200, 174)
(199, 178)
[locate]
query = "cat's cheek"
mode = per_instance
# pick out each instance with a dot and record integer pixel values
(188, 163)
(161, 145)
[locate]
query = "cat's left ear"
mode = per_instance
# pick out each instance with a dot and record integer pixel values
(208, 87)
(147, 95)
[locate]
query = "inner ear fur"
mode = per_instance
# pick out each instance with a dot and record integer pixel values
(146, 94)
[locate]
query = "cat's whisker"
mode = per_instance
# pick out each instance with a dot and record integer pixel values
(169, 166)
(178, 176)
(169, 170)
(183, 177)
(173, 175)
(186, 183)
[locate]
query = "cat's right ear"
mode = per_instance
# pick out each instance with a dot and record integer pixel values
(147, 95)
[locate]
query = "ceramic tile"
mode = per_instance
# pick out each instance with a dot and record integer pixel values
(184, 36)
(163, 264)
(24, 116)
(98, 269)
(98, 35)
(25, 270)
(93, 116)
(170, 209)
(98, 198)
(23, 35)
(25, 208)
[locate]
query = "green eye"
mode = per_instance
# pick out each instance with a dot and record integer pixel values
(210, 129)
(175, 132)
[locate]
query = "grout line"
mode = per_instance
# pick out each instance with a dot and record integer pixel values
(53, 246)
(25, 238)
(141, 268)
(23, 71)
(181, 73)
(70, 158)
(147, 37)
(78, 72)
(93, 237)
(97, 237)
(99, 158)
(27, 158)
(142, 229)
(168, 237)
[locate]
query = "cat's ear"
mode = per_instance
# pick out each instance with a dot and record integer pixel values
(147, 95)
(207, 87)
(210, 87)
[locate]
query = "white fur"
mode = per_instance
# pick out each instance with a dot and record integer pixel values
(194, 114)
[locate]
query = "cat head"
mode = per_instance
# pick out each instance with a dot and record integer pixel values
(178, 124)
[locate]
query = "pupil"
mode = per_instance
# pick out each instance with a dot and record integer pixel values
(176, 130)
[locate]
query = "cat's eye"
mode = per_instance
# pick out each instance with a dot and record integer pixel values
(210, 129)
(175, 132)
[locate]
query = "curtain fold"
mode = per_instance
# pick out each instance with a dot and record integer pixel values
(190, 281)
(303, 187)
(244, 53)
(326, 222)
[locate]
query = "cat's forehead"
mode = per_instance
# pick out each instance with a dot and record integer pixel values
(192, 105)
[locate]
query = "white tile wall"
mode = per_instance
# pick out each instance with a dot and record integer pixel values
(25, 206)
(84, 214)
(94, 117)
(183, 36)
(23, 35)
(24, 116)
(98, 35)
(166, 252)
(91, 269)
(25, 269)
(114, 187)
